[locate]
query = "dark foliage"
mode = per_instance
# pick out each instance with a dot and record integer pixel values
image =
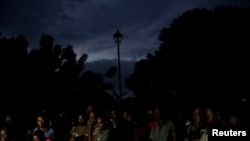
(204, 53)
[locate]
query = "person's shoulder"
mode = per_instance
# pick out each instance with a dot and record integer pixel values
(168, 121)
(188, 122)
(85, 127)
(154, 127)
(51, 130)
(35, 129)
(190, 126)
(204, 136)
(106, 130)
(73, 127)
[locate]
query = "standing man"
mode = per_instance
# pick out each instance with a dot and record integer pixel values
(164, 129)
(43, 124)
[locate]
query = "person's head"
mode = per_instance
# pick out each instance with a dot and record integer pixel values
(42, 121)
(101, 122)
(80, 119)
(8, 118)
(4, 134)
(113, 114)
(198, 116)
(157, 113)
(90, 108)
(126, 115)
(161, 112)
(212, 115)
(150, 113)
(234, 120)
(92, 116)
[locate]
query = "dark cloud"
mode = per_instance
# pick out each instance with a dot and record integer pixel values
(73, 36)
(79, 0)
(66, 17)
(17, 14)
(88, 25)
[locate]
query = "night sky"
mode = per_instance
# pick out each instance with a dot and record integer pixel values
(88, 25)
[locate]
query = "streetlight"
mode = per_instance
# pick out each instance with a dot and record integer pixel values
(118, 39)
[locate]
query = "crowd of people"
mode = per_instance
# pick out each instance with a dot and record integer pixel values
(158, 122)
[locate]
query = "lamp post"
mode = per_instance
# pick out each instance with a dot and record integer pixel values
(118, 39)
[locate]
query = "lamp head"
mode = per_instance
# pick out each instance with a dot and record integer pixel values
(117, 37)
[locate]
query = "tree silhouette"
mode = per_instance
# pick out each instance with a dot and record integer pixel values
(203, 53)
(13, 72)
(45, 76)
(93, 89)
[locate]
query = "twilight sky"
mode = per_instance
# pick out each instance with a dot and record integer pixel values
(88, 25)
